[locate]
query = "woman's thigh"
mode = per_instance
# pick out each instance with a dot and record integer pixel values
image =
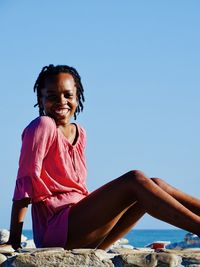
(94, 216)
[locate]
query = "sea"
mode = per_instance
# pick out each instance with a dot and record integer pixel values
(141, 238)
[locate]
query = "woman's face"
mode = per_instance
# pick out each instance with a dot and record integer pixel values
(59, 98)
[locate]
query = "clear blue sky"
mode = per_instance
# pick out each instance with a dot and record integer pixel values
(140, 64)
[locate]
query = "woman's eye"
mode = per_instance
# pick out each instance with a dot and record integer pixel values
(50, 97)
(68, 95)
(57, 97)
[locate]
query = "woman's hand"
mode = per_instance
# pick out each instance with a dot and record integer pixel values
(19, 208)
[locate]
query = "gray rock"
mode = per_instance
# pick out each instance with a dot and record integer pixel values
(190, 257)
(4, 235)
(135, 259)
(57, 257)
(77, 258)
(169, 259)
(36, 250)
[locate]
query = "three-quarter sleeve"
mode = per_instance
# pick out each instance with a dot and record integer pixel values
(37, 139)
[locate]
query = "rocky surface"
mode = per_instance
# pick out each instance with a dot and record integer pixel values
(121, 254)
(58, 257)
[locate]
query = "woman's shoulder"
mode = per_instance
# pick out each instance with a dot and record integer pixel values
(42, 124)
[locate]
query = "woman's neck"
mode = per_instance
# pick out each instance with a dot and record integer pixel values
(70, 132)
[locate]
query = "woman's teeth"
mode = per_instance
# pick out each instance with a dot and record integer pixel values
(62, 112)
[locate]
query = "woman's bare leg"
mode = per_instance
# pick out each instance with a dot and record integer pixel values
(127, 221)
(188, 201)
(135, 212)
(95, 216)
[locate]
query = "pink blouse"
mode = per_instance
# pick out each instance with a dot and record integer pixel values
(52, 173)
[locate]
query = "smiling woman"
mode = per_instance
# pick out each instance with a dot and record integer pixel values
(59, 99)
(52, 177)
(70, 80)
(60, 96)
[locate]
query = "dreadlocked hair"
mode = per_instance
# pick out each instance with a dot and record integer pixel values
(51, 70)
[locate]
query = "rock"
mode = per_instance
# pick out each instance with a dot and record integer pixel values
(3, 259)
(165, 259)
(36, 250)
(6, 250)
(135, 258)
(28, 244)
(4, 235)
(158, 258)
(82, 258)
(23, 238)
(122, 251)
(57, 257)
(121, 243)
(189, 257)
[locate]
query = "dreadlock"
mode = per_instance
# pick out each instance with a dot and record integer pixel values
(50, 70)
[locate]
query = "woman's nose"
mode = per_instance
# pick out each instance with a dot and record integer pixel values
(62, 99)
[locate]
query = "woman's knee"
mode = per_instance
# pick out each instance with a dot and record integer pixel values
(137, 176)
(158, 181)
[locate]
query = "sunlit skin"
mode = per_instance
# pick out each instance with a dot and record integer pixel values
(59, 101)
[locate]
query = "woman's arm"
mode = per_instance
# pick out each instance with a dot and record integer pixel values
(37, 138)
(19, 209)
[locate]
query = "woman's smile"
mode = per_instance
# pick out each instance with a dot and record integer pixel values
(62, 111)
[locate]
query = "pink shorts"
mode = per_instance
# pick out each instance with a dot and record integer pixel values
(50, 229)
